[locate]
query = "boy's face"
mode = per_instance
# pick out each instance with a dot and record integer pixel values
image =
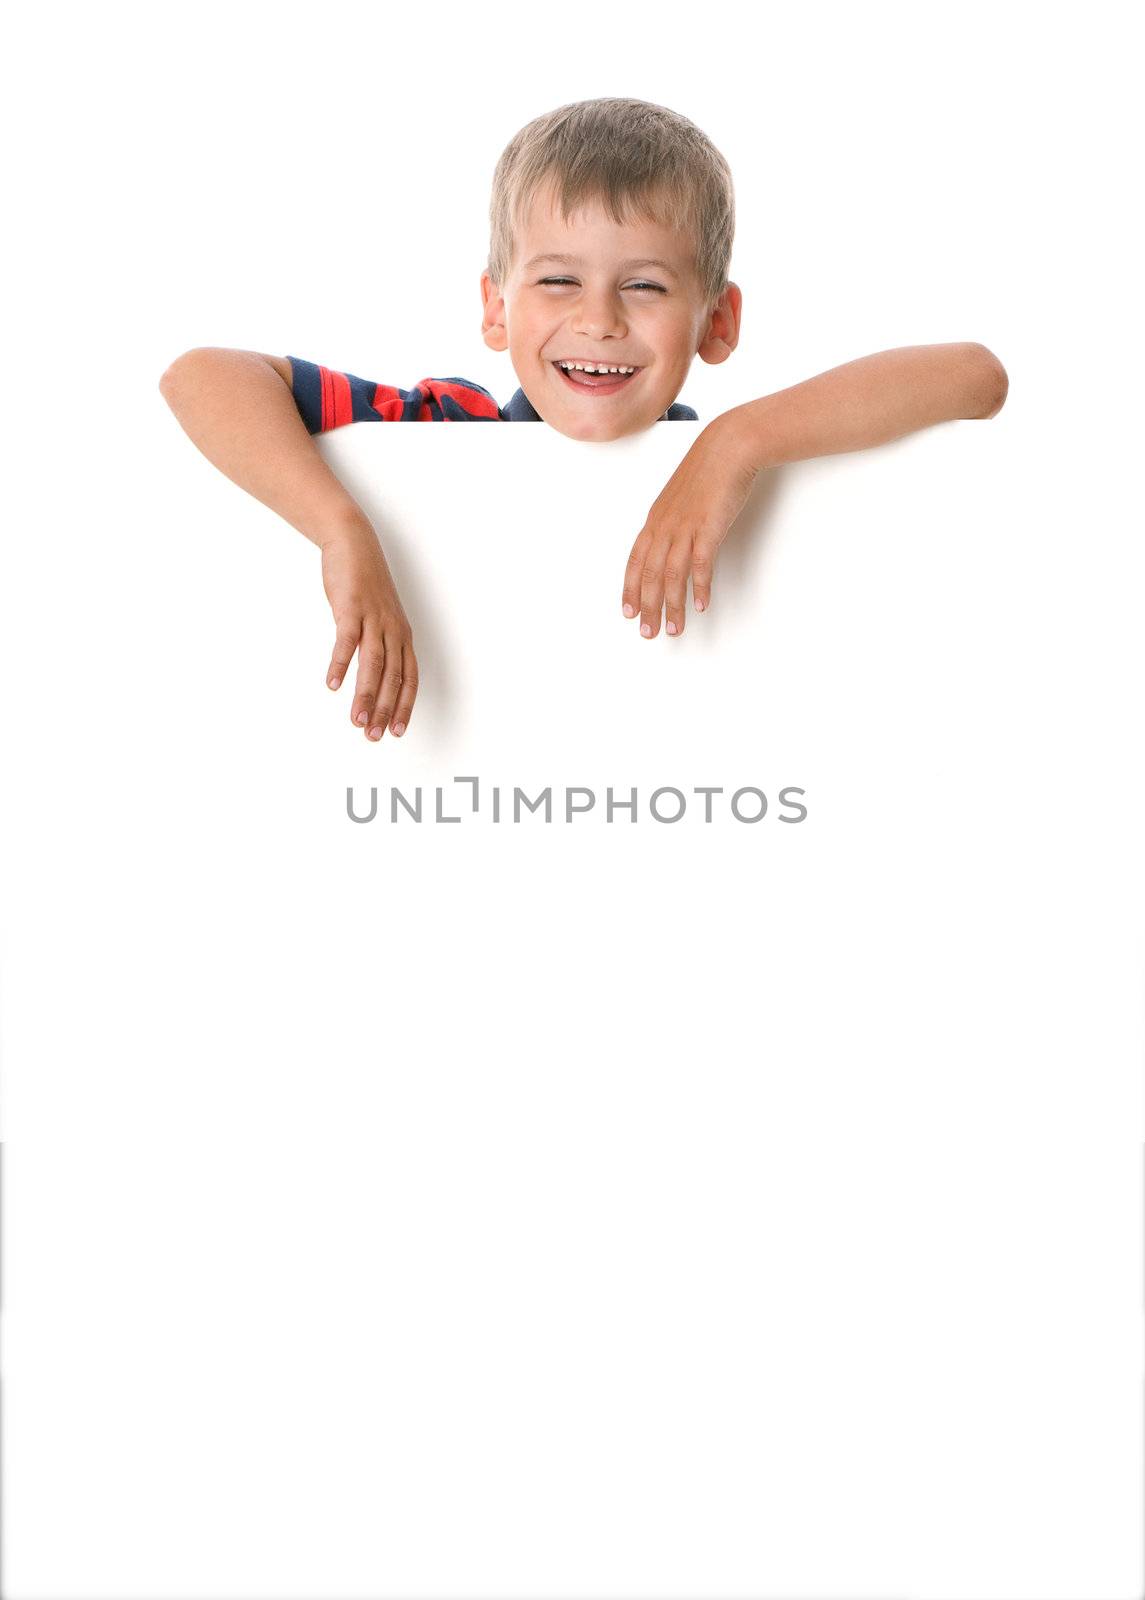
(627, 295)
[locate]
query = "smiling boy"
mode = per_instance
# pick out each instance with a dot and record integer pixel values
(611, 231)
(592, 290)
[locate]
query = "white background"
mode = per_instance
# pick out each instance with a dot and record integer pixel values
(578, 1210)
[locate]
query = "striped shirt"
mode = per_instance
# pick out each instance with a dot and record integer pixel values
(327, 399)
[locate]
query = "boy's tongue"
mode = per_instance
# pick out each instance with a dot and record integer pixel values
(595, 380)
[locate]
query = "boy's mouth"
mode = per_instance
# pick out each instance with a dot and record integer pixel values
(596, 383)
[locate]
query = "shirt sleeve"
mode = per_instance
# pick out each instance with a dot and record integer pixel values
(327, 399)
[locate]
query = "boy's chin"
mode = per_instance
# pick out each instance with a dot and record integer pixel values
(597, 429)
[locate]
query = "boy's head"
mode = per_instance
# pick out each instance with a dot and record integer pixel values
(611, 234)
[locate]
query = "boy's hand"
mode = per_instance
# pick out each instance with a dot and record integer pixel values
(370, 619)
(686, 526)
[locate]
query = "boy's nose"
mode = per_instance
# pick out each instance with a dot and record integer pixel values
(597, 315)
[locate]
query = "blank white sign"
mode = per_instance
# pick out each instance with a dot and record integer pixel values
(589, 1205)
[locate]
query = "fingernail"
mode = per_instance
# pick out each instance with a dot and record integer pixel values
(629, 611)
(646, 629)
(671, 627)
(361, 717)
(334, 682)
(375, 733)
(699, 605)
(398, 729)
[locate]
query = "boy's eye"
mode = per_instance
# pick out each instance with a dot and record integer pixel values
(659, 287)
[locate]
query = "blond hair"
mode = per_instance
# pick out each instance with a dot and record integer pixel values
(632, 157)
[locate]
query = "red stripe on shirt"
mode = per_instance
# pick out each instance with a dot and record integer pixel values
(477, 405)
(337, 402)
(388, 403)
(343, 401)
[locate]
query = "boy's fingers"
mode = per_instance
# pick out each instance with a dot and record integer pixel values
(676, 587)
(633, 574)
(408, 694)
(371, 659)
(652, 591)
(702, 577)
(345, 643)
(388, 689)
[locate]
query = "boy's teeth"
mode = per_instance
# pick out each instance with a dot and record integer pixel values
(581, 366)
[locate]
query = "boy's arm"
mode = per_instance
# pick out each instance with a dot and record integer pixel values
(868, 402)
(864, 403)
(238, 407)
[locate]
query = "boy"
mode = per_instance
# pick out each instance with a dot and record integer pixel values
(611, 232)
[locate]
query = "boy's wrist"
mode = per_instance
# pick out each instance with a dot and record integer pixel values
(351, 526)
(743, 433)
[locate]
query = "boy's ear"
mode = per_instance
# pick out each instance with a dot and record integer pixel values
(493, 329)
(722, 333)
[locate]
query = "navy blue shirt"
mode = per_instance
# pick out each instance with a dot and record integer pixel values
(328, 399)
